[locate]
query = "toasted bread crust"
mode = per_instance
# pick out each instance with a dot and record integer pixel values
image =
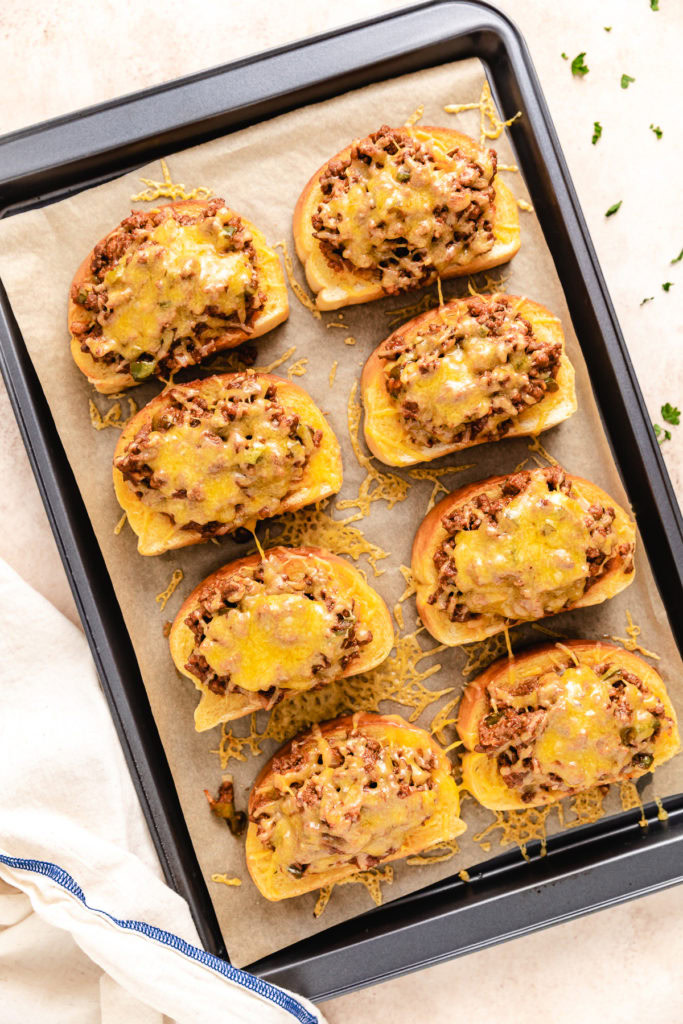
(275, 311)
(335, 289)
(430, 535)
(385, 433)
(480, 773)
(443, 825)
(322, 475)
(372, 612)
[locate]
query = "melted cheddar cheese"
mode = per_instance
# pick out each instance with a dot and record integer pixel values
(582, 741)
(349, 797)
(531, 562)
(218, 454)
(272, 640)
(398, 200)
(158, 291)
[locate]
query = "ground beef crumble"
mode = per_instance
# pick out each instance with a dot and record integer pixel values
(484, 509)
(526, 373)
(209, 327)
(388, 246)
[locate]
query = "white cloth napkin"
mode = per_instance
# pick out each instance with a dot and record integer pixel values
(89, 931)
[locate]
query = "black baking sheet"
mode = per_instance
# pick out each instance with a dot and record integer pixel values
(585, 869)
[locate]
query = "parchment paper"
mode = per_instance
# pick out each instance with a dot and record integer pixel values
(260, 171)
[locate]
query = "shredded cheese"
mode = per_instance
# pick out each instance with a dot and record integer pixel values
(630, 800)
(630, 642)
(437, 854)
(587, 807)
(403, 313)
(269, 367)
(297, 288)
(350, 340)
(520, 827)
(444, 719)
(226, 879)
(536, 446)
(435, 476)
(298, 368)
(112, 418)
(662, 814)
(333, 371)
(507, 167)
(398, 615)
(372, 880)
(410, 583)
(487, 112)
(167, 189)
(415, 116)
(163, 598)
(483, 652)
(312, 525)
(464, 875)
(120, 525)
(523, 205)
(376, 486)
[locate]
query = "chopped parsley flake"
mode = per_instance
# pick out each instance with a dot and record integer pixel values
(597, 131)
(671, 414)
(608, 28)
(661, 435)
(654, 5)
(667, 285)
(648, 299)
(564, 56)
(614, 208)
(678, 258)
(658, 131)
(626, 81)
(578, 65)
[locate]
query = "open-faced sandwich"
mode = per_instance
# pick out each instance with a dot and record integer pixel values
(345, 796)
(562, 718)
(205, 458)
(267, 627)
(517, 548)
(169, 287)
(400, 208)
(474, 370)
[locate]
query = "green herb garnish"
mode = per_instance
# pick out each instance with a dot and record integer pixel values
(613, 208)
(564, 56)
(654, 5)
(626, 81)
(671, 414)
(579, 66)
(648, 299)
(667, 285)
(597, 131)
(658, 131)
(607, 28)
(661, 435)
(678, 258)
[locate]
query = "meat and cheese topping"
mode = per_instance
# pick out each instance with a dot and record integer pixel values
(165, 286)
(466, 377)
(274, 626)
(347, 797)
(218, 454)
(578, 723)
(527, 548)
(403, 210)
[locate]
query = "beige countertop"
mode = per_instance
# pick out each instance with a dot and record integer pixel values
(623, 964)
